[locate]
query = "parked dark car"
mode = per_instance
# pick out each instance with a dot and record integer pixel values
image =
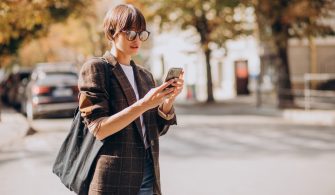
(328, 85)
(52, 89)
(11, 84)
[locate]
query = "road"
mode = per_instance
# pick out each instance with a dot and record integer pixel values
(217, 155)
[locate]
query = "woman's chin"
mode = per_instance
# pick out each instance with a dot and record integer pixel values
(133, 51)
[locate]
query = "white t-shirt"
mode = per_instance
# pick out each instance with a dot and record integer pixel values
(128, 70)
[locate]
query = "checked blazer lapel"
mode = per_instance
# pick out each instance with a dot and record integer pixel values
(143, 87)
(125, 86)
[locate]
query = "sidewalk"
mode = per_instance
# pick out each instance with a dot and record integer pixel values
(245, 105)
(242, 149)
(312, 117)
(12, 126)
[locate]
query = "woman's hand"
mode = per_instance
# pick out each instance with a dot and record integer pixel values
(156, 96)
(178, 86)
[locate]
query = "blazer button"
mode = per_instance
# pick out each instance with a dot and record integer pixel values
(152, 142)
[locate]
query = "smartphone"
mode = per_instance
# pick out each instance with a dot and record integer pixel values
(173, 73)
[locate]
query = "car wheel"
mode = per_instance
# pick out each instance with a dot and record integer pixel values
(30, 111)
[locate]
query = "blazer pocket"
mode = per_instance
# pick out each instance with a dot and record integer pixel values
(107, 173)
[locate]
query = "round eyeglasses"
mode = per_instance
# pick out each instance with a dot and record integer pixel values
(131, 35)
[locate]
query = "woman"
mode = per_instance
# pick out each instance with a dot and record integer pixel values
(132, 116)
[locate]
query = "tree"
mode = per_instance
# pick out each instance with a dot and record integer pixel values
(216, 21)
(280, 20)
(23, 20)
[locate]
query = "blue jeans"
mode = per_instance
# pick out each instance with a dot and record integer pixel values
(148, 176)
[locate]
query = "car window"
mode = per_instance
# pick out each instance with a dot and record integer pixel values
(58, 76)
(24, 75)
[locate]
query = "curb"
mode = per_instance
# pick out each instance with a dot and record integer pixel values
(313, 117)
(13, 126)
(310, 117)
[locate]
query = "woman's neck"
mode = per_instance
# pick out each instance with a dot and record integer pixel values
(121, 57)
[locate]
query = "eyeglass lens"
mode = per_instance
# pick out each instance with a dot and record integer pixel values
(131, 35)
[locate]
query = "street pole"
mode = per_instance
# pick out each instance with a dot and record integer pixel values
(0, 108)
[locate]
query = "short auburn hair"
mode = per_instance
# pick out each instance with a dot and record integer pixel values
(123, 17)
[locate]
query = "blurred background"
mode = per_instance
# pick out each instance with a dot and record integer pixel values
(256, 115)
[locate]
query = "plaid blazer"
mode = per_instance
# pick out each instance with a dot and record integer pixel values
(120, 164)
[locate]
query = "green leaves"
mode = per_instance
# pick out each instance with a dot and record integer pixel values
(22, 20)
(215, 20)
(301, 17)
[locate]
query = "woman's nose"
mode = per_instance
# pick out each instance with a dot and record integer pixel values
(137, 38)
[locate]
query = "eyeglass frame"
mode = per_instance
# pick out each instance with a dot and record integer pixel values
(137, 34)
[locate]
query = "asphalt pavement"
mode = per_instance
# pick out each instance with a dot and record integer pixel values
(230, 148)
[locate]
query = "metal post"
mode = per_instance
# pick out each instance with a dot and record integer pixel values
(0, 108)
(258, 92)
(307, 92)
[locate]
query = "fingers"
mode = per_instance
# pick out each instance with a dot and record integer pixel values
(174, 92)
(178, 87)
(167, 91)
(178, 82)
(163, 86)
(182, 75)
(172, 95)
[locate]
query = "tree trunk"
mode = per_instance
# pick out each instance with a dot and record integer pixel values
(204, 31)
(284, 89)
(210, 96)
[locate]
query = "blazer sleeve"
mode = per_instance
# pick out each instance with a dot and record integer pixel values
(93, 96)
(162, 123)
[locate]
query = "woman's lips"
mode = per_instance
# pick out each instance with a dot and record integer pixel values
(134, 46)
